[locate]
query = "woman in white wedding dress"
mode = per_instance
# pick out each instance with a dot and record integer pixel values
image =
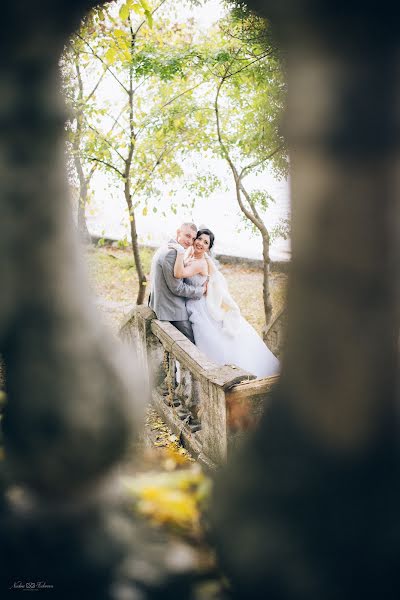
(219, 330)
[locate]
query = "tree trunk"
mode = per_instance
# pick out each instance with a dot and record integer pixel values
(314, 497)
(135, 246)
(266, 279)
(83, 231)
(142, 280)
(83, 183)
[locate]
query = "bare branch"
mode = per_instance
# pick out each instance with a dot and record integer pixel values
(96, 86)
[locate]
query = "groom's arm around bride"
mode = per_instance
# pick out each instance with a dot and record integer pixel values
(168, 294)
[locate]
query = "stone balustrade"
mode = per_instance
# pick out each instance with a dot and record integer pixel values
(207, 406)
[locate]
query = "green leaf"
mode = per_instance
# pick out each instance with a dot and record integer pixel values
(149, 18)
(137, 8)
(145, 5)
(124, 11)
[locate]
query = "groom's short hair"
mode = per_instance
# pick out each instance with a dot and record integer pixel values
(191, 225)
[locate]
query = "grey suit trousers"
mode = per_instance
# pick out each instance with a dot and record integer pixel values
(184, 327)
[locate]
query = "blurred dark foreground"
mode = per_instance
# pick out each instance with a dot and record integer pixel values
(309, 509)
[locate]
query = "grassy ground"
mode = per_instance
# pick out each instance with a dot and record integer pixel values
(115, 285)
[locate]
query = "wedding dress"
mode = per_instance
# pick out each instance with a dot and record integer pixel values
(222, 334)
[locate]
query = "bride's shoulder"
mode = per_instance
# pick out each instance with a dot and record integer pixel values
(205, 266)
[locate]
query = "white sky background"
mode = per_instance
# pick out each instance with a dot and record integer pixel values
(107, 213)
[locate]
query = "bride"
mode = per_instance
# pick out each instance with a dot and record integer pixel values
(219, 330)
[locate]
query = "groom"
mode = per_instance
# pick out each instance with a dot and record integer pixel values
(168, 294)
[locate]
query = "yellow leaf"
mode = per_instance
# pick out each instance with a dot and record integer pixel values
(110, 55)
(124, 12)
(137, 8)
(144, 211)
(145, 5)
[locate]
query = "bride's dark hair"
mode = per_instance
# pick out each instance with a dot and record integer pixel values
(206, 232)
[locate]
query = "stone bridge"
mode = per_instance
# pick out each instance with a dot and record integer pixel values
(208, 406)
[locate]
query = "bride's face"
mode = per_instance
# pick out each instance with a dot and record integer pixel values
(202, 243)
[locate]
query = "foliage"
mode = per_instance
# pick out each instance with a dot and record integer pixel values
(152, 119)
(247, 100)
(164, 118)
(169, 83)
(174, 499)
(251, 97)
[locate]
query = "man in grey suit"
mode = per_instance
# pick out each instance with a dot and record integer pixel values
(168, 294)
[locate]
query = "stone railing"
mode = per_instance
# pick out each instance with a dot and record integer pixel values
(208, 406)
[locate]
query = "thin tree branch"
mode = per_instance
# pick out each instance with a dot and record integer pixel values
(96, 86)
(107, 164)
(90, 174)
(160, 108)
(152, 13)
(101, 136)
(141, 83)
(182, 94)
(246, 170)
(247, 65)
(251, 215)
(219, 131)
(116, 119)
(107, 67)
(260, 223)
(142, 182)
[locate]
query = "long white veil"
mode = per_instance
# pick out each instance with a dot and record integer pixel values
(220, 303)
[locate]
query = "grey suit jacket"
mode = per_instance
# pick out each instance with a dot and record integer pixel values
(168, 294)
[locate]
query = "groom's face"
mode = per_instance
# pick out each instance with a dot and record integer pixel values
(185, 236)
